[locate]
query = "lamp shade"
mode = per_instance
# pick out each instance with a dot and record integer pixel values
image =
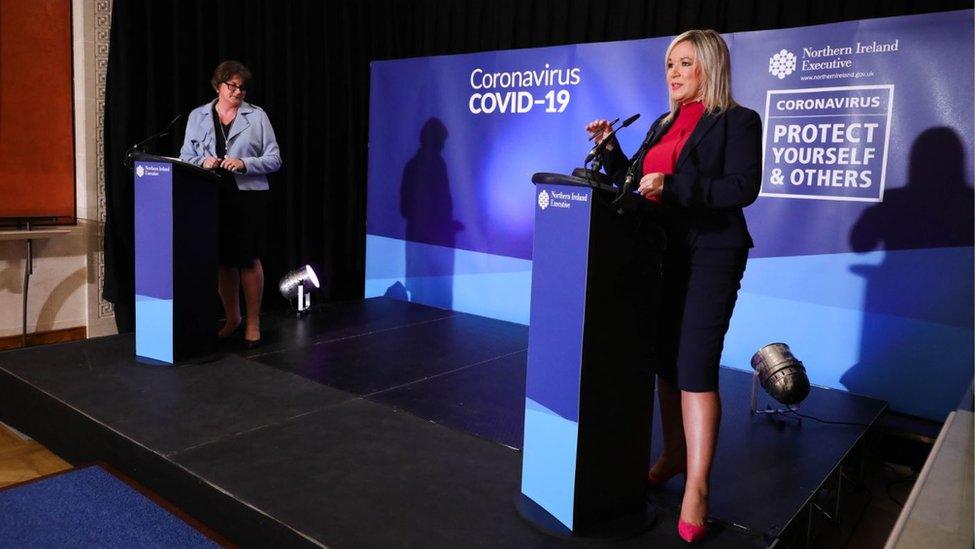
(304, 276)
(781, 374)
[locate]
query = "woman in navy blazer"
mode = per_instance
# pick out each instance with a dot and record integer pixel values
(702, 162)
(235, 138)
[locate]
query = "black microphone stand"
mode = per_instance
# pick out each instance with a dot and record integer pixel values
(127, 159)
(595, 157)
(632, 168)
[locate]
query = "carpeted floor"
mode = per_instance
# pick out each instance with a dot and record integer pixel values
(88, 507)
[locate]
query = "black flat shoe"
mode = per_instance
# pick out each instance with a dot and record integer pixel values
(252, 343)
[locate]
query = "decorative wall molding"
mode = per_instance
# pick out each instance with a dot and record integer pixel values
(103, 24)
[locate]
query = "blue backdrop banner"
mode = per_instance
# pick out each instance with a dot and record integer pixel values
(863, 229)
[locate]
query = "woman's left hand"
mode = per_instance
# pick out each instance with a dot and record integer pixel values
(651, 185)
(232, 164)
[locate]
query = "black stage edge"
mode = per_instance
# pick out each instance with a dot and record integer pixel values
(383, 423)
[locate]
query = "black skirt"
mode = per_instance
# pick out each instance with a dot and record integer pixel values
(243, 226)
(700, 287)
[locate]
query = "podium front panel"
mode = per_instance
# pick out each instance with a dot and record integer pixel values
(556, 317)
(154, 260)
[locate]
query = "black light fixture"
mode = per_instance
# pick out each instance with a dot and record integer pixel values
(781, 375)
(299, 285)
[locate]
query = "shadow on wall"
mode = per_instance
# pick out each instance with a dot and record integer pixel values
(12, 279)
(916, 339)
(427, 207)
(55, 301)
(12, 266)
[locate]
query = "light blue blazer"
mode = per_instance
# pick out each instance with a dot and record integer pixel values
(250, 138)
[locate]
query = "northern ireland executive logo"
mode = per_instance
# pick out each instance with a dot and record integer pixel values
(543, 199)
(139, 171)
(782, 64)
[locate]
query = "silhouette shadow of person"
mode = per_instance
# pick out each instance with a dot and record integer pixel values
(916, 337)
(428, 208)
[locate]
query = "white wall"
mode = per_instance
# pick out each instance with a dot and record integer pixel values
(56, 296)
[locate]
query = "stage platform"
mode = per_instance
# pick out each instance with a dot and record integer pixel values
(381, 423)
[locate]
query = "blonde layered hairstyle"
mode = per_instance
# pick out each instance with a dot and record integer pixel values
(715, 78)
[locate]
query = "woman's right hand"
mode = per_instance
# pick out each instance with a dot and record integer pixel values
(210, 162)
(599, 128)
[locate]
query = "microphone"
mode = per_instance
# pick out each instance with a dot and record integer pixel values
(630, 121)
(612, 122)
(127, 161)
(596, 150)
(632, 168)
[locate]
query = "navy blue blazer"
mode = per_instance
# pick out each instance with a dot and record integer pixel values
(718, 173)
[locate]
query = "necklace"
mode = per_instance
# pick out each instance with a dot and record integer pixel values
(220, 124)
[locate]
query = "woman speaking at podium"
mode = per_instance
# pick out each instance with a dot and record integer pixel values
(701, 161)
(235, 137)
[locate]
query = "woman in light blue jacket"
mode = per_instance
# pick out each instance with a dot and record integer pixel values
(235, 138)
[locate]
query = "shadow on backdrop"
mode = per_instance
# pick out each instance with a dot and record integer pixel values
(427, 207)
(916, 337)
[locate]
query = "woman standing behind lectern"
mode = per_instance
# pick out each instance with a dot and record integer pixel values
(235, 137)
(702, 164)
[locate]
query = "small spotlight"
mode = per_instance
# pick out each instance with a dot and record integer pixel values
(782, 376)
(298, 285)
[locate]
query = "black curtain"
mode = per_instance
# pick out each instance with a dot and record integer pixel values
(311, 61)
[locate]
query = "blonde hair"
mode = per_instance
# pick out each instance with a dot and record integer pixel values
(715, 71)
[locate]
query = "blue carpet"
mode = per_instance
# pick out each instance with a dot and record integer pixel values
(89, 508)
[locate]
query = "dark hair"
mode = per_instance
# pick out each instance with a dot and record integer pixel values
(227, 70)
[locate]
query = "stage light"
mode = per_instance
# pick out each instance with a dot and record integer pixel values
(299, 285)
(781, 375)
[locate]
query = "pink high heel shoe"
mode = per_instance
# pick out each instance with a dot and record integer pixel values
(691, 533)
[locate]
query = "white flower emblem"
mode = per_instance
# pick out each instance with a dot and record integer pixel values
(543, 199)
(782, 64)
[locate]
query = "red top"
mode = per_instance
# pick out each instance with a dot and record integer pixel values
(663, 156)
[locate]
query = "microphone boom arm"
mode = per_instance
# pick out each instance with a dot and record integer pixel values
(127, 159)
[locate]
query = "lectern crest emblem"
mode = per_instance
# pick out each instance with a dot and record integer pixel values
(140, 171)
(543, 199)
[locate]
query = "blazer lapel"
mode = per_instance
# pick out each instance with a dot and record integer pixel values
(207, 123)
(658, 132)
(653, 136)
(704, 124)
(240, 122)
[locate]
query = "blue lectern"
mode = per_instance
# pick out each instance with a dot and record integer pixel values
(589, 380)
(176, 259)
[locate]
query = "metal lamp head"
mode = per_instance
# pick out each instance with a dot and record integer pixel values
(304, 277)
(781, 374)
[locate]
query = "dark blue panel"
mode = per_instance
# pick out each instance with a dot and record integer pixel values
(154, 229)
(558, 303)
(928, 198)
(154, 260)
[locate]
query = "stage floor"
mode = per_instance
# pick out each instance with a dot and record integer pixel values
(380, 423)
